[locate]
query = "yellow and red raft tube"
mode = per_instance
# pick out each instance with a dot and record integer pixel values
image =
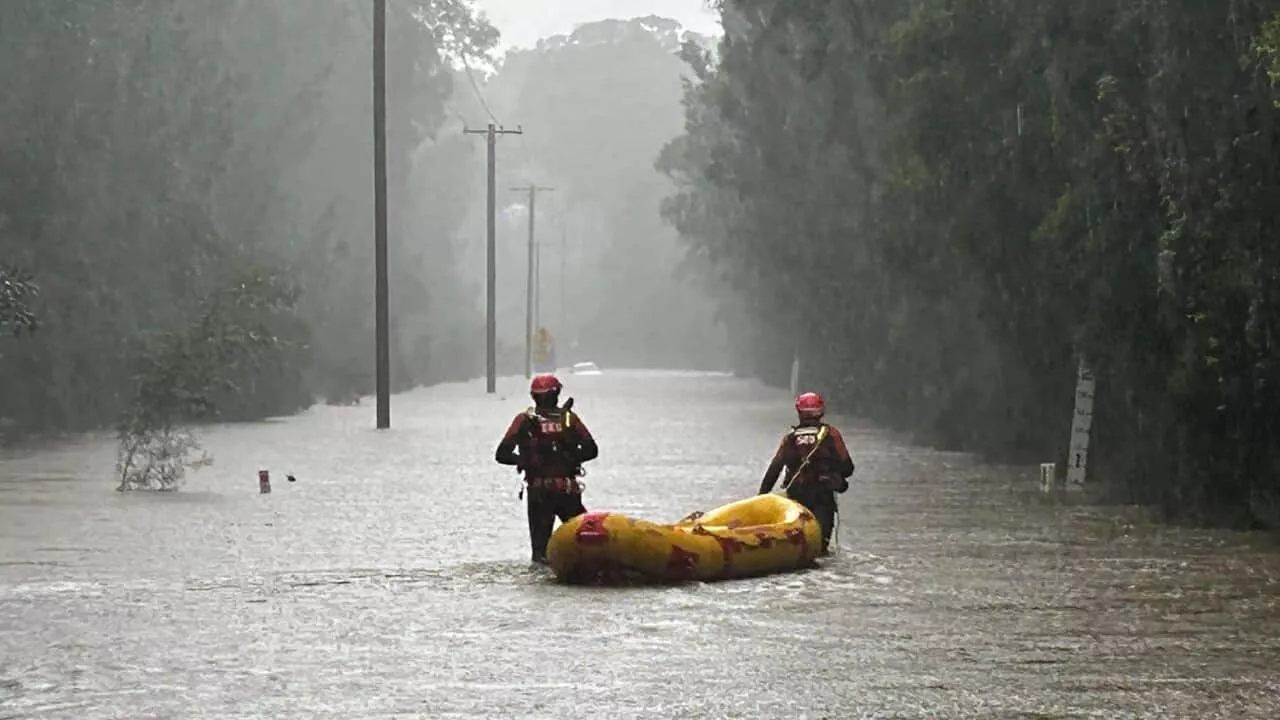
(760, 535)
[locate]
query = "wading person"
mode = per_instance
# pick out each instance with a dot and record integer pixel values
(548, 443)
(817, 462)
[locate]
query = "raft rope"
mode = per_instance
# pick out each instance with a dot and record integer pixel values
(568, 420)
(791, 477)
(834, 545)
(835, 524)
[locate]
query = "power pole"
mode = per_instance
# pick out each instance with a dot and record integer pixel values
(491, 353)
(537, 286)
(380, 306)
(533, 190)
(564, 251)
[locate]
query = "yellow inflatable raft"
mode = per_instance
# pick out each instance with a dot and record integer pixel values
(760, 535)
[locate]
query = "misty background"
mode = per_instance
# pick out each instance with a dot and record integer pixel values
(944, 209)
(947, 210)
(155, 151)
(523, 24)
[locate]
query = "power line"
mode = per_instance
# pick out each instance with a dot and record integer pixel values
(456, 115)
(475, 88)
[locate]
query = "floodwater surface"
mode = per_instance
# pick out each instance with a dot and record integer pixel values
(391, 580)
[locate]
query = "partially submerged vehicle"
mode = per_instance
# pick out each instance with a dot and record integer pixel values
(585, 368)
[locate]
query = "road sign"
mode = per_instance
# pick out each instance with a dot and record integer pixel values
(544, 351)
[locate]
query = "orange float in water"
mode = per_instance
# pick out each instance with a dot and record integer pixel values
(760, 535)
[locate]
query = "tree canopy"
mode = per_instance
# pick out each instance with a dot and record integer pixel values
(152, 152)
(944, 203)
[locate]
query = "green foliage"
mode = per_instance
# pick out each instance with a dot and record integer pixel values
(1266, 51)
(150, 149)
(942, 203)
(183, 373)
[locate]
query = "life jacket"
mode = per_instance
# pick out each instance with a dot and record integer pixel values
(808, 442)
(550, 444)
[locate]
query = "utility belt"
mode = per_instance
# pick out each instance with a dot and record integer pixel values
(815, 481)
(557, 484)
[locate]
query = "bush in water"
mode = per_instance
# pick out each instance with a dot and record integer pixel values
(184, 371)
(16, 292)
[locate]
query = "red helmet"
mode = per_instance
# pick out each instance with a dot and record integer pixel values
(544, 384)
(810, 405)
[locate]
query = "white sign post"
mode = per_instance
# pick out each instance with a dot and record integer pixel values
(1081, 423)
(795, 375)
(1049, 478)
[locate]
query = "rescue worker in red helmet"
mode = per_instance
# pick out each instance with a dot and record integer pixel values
(817, 461)
(548, 443)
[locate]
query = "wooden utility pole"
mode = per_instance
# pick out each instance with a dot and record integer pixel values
(380, 310)
(564, 251)
(537, 286)
(533, 191)
(491, 332)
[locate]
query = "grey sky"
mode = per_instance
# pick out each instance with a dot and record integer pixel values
(524, 22)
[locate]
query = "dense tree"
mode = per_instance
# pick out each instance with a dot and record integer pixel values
(944, 203)
(152, 153)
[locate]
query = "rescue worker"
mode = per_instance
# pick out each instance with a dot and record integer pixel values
(552, 443)
(817, 462)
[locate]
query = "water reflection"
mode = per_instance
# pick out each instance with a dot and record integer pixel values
(389, 579)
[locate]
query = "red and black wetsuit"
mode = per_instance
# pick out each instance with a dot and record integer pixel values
(826, 473)
(549, 445)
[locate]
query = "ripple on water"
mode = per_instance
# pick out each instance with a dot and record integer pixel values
(388, 582)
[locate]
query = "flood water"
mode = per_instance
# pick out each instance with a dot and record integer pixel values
(391, 580)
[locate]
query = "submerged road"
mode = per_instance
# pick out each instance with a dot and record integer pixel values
(391, 581)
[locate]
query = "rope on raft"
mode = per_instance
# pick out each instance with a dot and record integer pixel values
(700, 529)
